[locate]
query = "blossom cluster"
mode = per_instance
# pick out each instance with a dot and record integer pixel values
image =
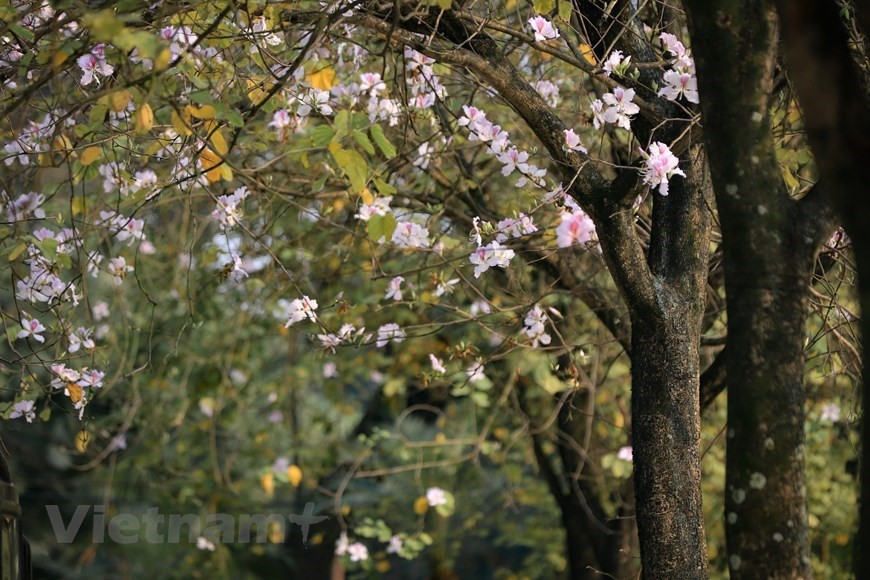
(660, 166)
(680, 80)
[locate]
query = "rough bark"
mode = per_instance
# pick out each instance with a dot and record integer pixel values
(769, 245)
(834, 103)
(665, 380)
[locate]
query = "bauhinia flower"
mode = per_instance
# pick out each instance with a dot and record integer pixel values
(576, 228)
(490, 256)
(616, 63)
(678, 85)
(23, 409)
(572, 142)
(300, 309)
(660, 166)
(389, 332)
(620, 108)
(543, 29)
(394, 289)
(436, 496)
(437, 364)
(31, 327)
(534, 326)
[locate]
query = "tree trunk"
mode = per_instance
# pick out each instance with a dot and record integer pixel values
(833, 96)
(769, 245)
(666, 430)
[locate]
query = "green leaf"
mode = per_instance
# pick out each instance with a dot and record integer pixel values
(342, 123)
(48, 247)
(318, 185)
(381, 226)
(565, 9)
(381, 140)
(321, 135)
(445, 4)
(17, 251)
(202, 97)
(543, 6)
(384, 188)
(363, 140)
(357, 171)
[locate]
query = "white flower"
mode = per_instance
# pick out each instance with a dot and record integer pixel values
(475, 372)
(625, 453)
(616, 63)
(831, 412)
(300, 309)
(489, 256)
(445, 287)
(678, 85)
(436, 496)
(620, 108)
(437, 364)
(358, 552)
(394, 289)
(534, 326)
(389, 332)
(409, 235)
(395, 546)
(32, 328)
(204, 544)
(23, 409)
(548, 91)
(118, 268)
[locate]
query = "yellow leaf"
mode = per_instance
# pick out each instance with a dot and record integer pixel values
(181, 123)
(587, 53)
(366, 196)
(58, 58)
(226, 172)
(81, 441)
(217, 138)
(210, 164)
(119, 100)
(78, 205)
(75, 392)
(90, 155)
(144, 118)
(267, 482)
(256, 91)
(203, 112)
(324, 79)
(61, 143)
(163, 59)
(294, 474)
(383, 566)
(421, 505)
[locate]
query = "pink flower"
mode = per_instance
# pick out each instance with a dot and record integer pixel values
(625, 453)
(31, 327)
(572, 142)
(437, 364)
(543, 29)
(394, 290)
(678, 85)
(660, 166)
(576, 228)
